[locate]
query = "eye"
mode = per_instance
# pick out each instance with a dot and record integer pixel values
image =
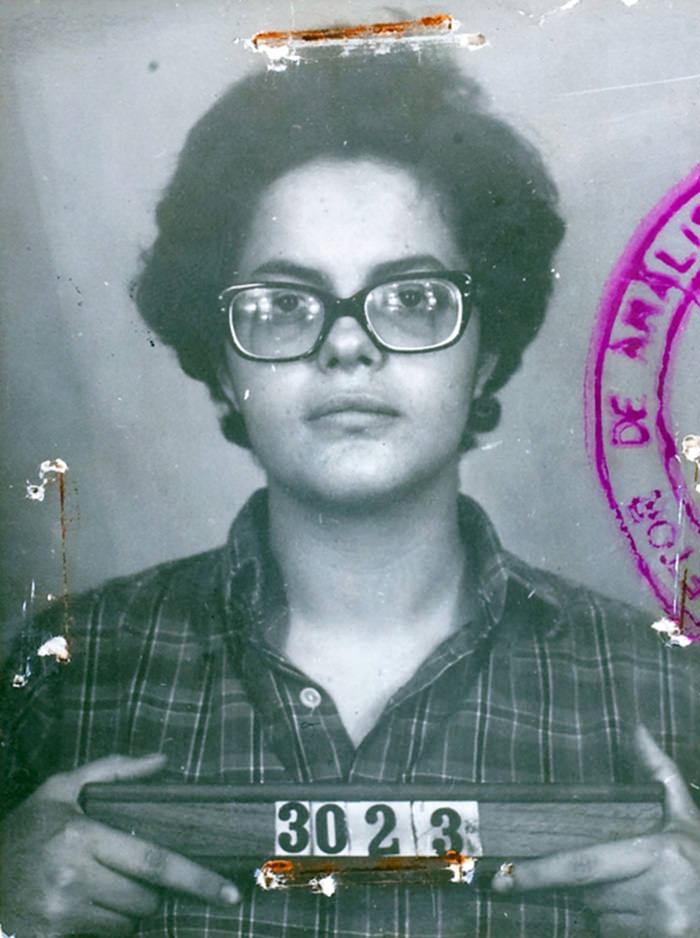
(411, 296)
(287, 302)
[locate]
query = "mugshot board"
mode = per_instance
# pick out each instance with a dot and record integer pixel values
(548, 245)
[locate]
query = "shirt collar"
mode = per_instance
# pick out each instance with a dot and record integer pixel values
(486, 554)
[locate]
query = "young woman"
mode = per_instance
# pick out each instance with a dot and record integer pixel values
(353, 256)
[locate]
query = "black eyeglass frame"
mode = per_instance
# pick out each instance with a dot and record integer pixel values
(335, 308)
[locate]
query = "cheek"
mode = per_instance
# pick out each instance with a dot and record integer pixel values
(250, 385)
(265, 395)
(264, 411)
(270, 429)
(448, 385)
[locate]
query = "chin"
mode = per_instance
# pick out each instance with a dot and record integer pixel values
(364, 486)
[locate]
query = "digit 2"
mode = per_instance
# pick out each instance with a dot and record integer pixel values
(297, 814)
(376, 848)
(452, 822)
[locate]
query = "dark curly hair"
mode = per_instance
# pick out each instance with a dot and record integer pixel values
(411, 110)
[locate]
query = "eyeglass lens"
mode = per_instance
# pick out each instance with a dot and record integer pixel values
(407, 315)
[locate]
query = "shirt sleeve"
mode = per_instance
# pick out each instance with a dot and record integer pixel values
(657, 685)
(30, 732)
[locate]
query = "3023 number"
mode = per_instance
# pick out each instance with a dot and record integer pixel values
(376, 829)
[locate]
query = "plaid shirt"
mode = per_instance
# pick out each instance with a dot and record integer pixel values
(545, 684)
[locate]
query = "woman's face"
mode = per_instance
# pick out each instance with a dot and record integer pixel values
(353, 422)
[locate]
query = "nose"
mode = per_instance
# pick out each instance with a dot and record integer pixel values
(348, 346)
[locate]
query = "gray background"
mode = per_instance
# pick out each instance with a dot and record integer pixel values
(98, 99)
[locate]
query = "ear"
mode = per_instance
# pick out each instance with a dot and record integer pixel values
(484, 371)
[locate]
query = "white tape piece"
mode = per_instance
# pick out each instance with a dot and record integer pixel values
(56, 646)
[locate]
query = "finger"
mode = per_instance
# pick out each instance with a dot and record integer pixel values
(601, 863)
(118, 768)
(625, 897)
(679, 802)
(66, 785)
(119, 893)
(158, 866)
(104, 923)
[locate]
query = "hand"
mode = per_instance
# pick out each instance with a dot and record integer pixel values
(647, 887)
(64, 874)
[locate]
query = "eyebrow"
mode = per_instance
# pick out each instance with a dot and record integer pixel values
(310, 275)
(407, 265)
(290, 269)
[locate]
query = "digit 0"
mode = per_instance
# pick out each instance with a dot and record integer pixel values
(296, 815)
(326, 841)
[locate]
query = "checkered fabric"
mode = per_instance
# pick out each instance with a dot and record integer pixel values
(544, 685)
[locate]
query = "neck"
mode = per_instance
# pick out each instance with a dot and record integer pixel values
(362, 567)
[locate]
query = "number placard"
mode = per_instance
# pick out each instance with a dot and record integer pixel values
(377, 828)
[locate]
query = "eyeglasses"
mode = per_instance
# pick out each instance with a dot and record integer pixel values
(281, 322)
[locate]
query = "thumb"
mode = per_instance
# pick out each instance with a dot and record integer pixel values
(679, 804)
(66, 785)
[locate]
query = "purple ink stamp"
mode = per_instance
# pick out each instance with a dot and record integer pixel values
(633, 428)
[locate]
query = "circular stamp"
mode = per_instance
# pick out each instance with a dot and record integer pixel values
(643, 365)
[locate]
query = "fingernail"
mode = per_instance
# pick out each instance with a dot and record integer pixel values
(229, 894)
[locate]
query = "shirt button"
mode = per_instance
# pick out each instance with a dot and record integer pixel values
(310, 697)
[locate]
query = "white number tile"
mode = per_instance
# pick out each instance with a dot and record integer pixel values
(426, 833)
(295, 829)
(380, 825)
(330, 828)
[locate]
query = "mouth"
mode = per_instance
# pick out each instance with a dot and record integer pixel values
(352, 404)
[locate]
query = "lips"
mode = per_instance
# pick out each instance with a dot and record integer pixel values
(352, 404)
